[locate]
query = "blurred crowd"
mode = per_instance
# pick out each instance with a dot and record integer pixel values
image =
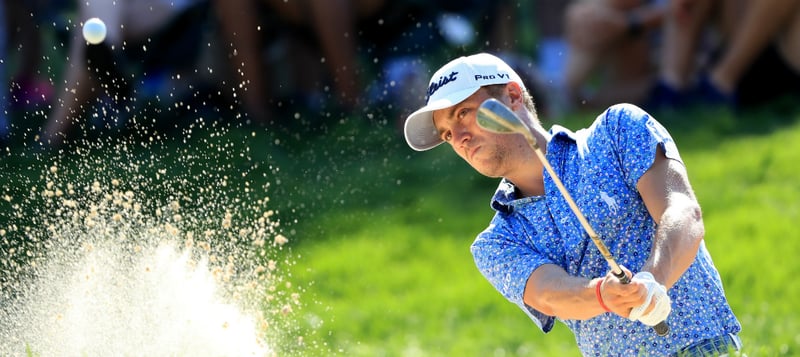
(265, 60)
(671, 54)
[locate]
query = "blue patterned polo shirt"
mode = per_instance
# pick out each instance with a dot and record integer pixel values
(600, 167)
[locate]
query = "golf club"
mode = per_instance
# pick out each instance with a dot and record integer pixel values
(496, 117)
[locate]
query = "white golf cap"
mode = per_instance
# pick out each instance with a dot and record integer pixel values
(451, 84)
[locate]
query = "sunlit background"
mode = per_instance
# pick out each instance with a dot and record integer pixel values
(229, 178)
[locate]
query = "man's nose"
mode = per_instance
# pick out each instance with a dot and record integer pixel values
(461, 135)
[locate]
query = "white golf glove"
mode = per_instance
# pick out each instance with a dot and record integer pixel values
(655, 291)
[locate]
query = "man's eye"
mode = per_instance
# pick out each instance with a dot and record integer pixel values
(462, 113)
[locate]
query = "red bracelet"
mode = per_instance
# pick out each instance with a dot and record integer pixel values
(600, 297)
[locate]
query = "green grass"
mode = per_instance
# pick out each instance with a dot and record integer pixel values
(380, 234)
(749, 191)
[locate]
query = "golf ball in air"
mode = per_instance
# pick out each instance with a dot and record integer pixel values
(94, 30)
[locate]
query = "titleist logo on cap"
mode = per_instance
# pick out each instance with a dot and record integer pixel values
(442, 81)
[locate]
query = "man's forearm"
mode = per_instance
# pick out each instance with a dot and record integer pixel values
(677, 240)
(553, 292)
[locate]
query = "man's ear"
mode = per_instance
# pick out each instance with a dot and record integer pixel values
(514, 92)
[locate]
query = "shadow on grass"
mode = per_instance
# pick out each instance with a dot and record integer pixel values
(706, 127)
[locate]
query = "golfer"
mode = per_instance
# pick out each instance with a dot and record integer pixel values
(626, 176)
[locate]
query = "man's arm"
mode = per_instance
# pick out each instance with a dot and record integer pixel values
(671, 202)
(552, 291)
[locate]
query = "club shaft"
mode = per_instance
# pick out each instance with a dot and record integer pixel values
(615, 269)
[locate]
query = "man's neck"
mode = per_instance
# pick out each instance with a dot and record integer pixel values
(529, 179)
(529, 185)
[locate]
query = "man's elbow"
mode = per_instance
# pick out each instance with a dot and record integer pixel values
(697, 230)
(537, 299)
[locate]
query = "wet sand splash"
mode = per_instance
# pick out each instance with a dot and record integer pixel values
(138, 254)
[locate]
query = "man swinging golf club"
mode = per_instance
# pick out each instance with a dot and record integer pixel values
(620, 183)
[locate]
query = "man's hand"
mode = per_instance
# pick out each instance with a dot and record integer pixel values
(656, 306)
(621, 298)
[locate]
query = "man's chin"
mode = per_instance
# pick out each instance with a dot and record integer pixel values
(487, 171)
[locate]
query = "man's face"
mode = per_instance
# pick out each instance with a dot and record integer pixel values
(489, 153)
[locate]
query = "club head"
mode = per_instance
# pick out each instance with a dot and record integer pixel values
(496, 117)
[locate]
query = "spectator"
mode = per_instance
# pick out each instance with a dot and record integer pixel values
(552, 54)
(755, 58)
(25, 88)
(441, 29)
(612, 50)
(93, 71)
(333, 25)
(29, 88)
(391, 41)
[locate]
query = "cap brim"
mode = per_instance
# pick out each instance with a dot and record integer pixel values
(419, 130)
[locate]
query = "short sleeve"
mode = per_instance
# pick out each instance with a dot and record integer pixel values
(507, 263)
(635, 135)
